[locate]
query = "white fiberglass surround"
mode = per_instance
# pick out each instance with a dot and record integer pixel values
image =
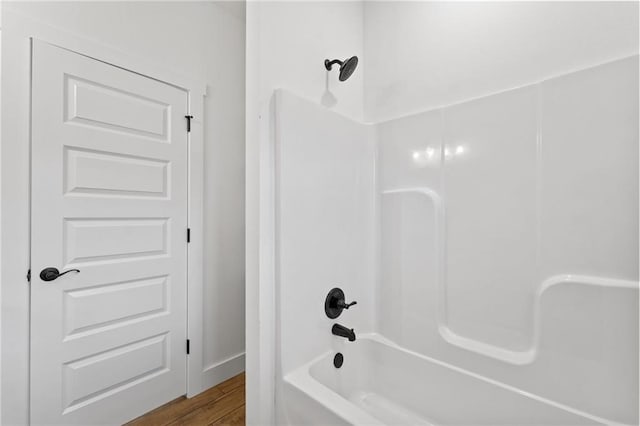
(491, 246)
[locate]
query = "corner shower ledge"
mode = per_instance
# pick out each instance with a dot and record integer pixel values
(529, 355)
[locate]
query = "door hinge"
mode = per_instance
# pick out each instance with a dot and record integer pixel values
(188, 117)
(188, 235)
(188, 349)
(29, 275)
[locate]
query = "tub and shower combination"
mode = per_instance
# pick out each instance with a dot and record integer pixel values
(491, 245)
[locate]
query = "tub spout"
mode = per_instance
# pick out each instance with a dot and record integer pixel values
(342, 331)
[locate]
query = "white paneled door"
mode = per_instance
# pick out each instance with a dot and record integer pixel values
(109, 198)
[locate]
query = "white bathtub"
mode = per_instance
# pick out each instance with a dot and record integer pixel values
(381, 383)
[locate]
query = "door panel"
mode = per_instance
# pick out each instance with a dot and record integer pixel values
(130, 176)
(90, 103)
(109, 188)
(119, 239)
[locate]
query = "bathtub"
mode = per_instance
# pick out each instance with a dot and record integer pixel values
(381, 383)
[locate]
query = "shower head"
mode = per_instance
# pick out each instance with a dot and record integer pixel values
(347, 67)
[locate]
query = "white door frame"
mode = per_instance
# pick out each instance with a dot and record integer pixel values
(18, 31)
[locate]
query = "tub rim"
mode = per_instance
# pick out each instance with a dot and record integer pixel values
(302, 380)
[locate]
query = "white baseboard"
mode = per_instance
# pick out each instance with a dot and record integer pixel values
(219, 372)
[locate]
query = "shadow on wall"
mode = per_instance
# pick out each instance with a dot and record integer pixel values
(328, 99)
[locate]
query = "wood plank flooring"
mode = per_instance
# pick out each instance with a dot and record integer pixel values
(220, 405)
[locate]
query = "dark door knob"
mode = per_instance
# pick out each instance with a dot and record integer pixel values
(50, 274)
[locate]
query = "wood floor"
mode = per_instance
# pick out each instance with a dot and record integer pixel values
(220, 405)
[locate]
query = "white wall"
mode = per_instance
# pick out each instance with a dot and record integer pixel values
(224, 293)
(422, 55)
(203, 40)
(0, 209)
(294, 40)
(287, 43)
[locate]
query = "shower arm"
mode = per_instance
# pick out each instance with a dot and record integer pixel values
(328, 64)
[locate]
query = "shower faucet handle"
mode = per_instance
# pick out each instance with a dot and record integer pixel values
(334, 304)
(343, 305)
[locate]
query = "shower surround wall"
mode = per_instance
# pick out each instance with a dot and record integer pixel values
(325, 225)
(505, 230)
(509, 237)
